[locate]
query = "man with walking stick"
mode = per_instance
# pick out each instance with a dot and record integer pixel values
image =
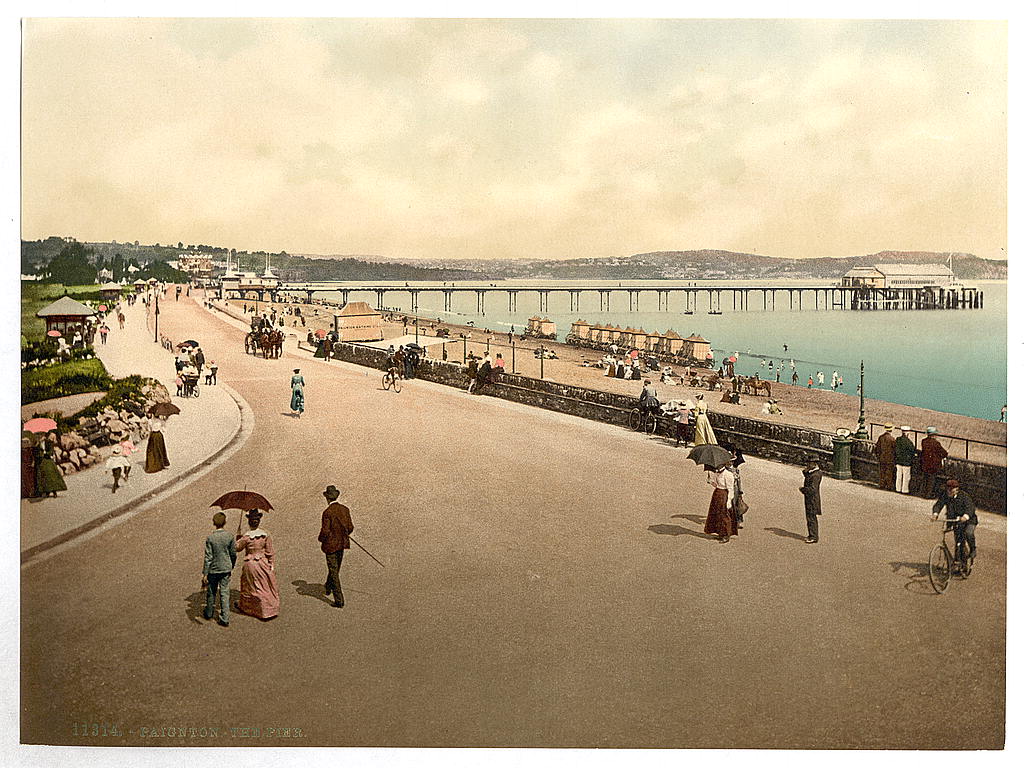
(335, 527)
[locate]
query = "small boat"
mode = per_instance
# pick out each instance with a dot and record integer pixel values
(688, 312)
(714, 312)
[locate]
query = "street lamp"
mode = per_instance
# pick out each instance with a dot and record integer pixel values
(156, 318)
(862, 432)
(542, 361)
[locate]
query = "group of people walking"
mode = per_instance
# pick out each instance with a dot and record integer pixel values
(259, 595)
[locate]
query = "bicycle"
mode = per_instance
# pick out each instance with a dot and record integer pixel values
(643, 421)
(392, 379)
(942, 565)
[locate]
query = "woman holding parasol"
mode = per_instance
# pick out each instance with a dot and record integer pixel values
(49, 480)
(156, 449)
(260, 595)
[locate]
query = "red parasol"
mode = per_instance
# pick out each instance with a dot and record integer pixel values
(244, 500)
(39, 424)
(320, 333)
(732, 359)
(710, 356)
(54, 334)
(102, 307)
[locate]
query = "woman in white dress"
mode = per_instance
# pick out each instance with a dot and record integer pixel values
(703, 433)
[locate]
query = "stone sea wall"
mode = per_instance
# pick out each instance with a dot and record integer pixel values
(779, 442)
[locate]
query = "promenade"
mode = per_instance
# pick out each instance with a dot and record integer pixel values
(547, 583)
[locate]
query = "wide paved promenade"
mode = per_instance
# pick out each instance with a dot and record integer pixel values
(547, 584)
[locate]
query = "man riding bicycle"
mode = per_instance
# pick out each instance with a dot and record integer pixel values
(960, 515)
(648, 399)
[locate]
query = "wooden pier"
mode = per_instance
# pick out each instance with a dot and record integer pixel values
(688, 297)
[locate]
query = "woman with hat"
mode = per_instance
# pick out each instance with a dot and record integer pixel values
(156, 450)
(48, 477)
(703, 433)
(260, 596)
(117, 463)
(298, 393)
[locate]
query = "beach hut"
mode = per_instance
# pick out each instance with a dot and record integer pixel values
(580, 330)
(673, 342)
(697, 347)
(67, 316)
(656, 343)
(357, 321)
(546, 328)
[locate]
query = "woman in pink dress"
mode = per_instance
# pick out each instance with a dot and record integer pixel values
(260, 597)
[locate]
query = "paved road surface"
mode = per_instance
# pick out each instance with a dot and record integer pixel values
(547, 584)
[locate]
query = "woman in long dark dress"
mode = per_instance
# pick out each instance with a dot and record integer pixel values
(48, 477)
(156, 450)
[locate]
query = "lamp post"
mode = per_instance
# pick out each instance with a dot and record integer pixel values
(513, 356)
(542, 361)
(862, 432)
(463, 349)
(156, 317)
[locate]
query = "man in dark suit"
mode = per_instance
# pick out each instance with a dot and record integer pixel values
(218, 563)
(961, 515)
(812, 498)
(335, 526)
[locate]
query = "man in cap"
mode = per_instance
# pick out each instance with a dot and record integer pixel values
(905, 455)
(812, 498)
(932, 455)
(218, 562)
(885, 450)
(335, 526)
(960, 512)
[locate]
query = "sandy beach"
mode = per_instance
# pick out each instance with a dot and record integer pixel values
(817, 407)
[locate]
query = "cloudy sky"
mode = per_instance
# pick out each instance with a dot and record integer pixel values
(554, 139)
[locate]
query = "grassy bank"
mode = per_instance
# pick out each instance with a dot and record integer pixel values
(69, 378)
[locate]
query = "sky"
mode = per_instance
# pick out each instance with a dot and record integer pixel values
(518, 138)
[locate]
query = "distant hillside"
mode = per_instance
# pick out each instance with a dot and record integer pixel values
(717, 264)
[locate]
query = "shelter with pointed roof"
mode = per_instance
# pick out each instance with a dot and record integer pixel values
(67, 316)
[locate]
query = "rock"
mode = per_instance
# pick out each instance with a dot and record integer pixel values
(65, 469)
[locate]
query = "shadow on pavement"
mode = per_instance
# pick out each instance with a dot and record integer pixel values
(787, 534)
(195, 604)
(678, 530)
(918, 574)
(307, 589)
(699, 519)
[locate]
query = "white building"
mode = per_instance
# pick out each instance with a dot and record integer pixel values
(901, 276)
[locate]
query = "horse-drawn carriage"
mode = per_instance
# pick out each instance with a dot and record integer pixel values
(268, 342)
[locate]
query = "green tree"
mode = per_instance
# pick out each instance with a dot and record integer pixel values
(71, 266)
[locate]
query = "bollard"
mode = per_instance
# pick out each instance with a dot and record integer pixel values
(841, 444)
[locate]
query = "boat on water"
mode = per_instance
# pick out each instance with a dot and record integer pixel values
(688, 312)
(714, 312)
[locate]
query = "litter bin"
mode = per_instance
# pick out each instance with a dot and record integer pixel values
(841, 443)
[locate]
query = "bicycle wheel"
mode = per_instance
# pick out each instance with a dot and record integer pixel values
(939, 568)
(634, 419)
(651, 424)
(385, 381)
(397, 383)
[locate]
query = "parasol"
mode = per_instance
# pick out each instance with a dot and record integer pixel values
(320, 333)
(710, 455)
(39, 424)
(732, 359)
(710, 356)
(244, 500)
(189, 343)
(102, 307)
(54, 334)
(164, 409)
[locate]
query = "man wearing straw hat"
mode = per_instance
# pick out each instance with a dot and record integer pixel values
(335, 526)
(905, 455)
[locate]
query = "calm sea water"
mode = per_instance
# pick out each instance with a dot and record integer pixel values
(952, 361)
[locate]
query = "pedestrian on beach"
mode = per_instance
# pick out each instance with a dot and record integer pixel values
(795, 379)
(821, 379)
(218, 562)
(335, 527)
(1002, 414)
(778, 374)
(905, 455)
(810, 382)
(116, 465)
(260, 596)
(812, 498)
(156, 450)
(720, 520)
(885, 450)
(932, 456)
(703, 433)
(298, 385)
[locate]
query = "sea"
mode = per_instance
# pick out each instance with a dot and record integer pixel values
(946, 360)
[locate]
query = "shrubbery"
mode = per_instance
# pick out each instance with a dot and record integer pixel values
(39, 353)
(125, 394)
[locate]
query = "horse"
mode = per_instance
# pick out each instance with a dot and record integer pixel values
(761, 385)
